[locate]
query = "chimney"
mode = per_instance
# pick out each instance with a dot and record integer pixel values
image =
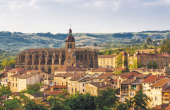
(73, 72)
(100, 83)
(105, 83)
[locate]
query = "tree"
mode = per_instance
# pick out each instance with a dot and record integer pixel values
(94, 44)
(33, 89)
(141, 101)
(144, 46)
(12, 63)
(119, 60)
(155, 50)
(106, 98)
(167, 38)
(148, 40)
(155, 65)
(31, 105)
(12, 104)
(163, 42)
(149, 65)
(5, 90)
(80, 102)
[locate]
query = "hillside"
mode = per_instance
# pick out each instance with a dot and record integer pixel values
(18, 41)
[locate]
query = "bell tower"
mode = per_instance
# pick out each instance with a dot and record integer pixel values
(70, 49)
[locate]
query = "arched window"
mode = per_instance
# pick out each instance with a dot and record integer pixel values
(71, 45)
(49, 69)
(36, 68)
(43, 69)
(68, 45)
(29, 68)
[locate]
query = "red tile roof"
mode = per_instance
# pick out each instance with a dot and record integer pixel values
(58, 86)
(166, 90)
(106, 56)
(160, 107)
(126, 76)
(16, 93)
(70, 68)
(102, 70)
(160, 83)
(150, 79)
(99, 84)
(135, 73)
(154, 55)
(7, 68)
(106, 75)
(14, 70)
(167, 108)
(160, 77)
(120, 68)
(55, 93)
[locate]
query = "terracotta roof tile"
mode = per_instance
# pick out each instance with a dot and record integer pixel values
(14, 70)
(70, 68)
(102, 70)
(167, 108)
(55, 92)
(99, 84)
(66, 74)
(150, 79)
(106, 56)
(77, 77)
(128, 81)
(59, 86)
(126, 76)
(154, 55)
(160, 77)
(120, 68)
(7, 68)
(166, 90)
(159, 107)
(160, 83)
(106, 75)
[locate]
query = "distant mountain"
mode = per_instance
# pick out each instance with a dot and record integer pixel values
(18, 41)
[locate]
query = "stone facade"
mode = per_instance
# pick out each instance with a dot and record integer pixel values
(49, 60)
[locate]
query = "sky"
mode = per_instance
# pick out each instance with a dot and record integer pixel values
(85, 16)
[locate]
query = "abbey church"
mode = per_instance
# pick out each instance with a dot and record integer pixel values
(49, 60)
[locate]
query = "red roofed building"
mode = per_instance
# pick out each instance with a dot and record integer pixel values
(144, 58)
(157, 90)
(101, 71)
(69, 69)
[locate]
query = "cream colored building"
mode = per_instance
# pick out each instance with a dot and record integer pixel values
(94, 87)
(20, 81)
(107, 61)
(156, 91)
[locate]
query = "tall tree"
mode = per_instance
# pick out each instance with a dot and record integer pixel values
(144, 46)
(156, 50)
(106, 98)
(148, 40)
(119, 60)
(167, 38)
(163, 42)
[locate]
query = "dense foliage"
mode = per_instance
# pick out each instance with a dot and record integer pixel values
(106, 100)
